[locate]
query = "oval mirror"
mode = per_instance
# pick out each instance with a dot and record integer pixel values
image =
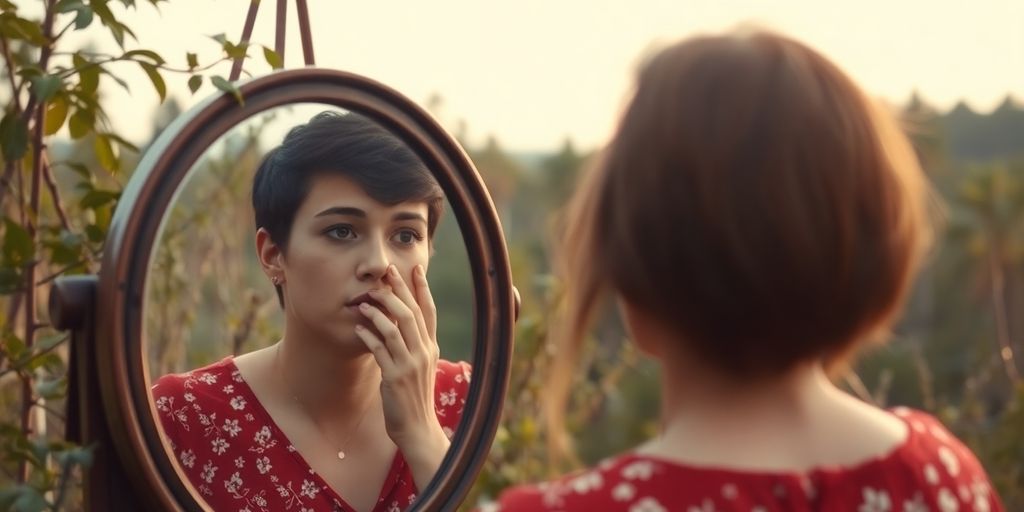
(237, 366)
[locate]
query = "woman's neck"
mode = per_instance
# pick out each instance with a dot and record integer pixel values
(328, 380)
(694, 395)
(787, 423)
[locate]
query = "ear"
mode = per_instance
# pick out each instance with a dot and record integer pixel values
(270, 255)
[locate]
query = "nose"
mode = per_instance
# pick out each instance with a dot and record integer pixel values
(374, 262)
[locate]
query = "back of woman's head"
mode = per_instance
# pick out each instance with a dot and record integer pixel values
(755, 202)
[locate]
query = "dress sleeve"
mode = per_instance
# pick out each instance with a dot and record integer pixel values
(951, 470)
(171, 408)
(451, 389)
(521, 498)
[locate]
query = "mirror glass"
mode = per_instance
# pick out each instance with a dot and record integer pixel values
(270, 398)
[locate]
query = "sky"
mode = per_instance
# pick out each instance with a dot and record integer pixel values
(532, 73)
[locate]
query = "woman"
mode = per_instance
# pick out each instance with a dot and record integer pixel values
(351, 409)
(757, 219)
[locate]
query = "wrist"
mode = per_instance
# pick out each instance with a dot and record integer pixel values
(423, 444)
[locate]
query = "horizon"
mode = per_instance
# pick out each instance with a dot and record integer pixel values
(534, 74)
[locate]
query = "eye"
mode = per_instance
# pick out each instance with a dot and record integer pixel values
(340, 232)
(407, 237)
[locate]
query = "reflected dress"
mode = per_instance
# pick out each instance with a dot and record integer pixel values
(240, 461)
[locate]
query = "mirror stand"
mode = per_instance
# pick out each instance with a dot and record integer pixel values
(72, 305)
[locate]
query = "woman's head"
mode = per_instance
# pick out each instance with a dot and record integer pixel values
(755, 203)
(343, 152)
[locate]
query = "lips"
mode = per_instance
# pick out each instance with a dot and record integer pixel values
(365, 298)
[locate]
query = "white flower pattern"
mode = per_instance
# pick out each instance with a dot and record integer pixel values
(214, 422)
(875, 500)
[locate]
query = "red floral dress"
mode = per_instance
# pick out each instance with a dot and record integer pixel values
(239, 460)
(931, 472)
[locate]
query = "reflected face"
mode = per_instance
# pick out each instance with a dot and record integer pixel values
(342, 242)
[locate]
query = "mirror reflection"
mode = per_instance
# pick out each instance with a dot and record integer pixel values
(308, 317)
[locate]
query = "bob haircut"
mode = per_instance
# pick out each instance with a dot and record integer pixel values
(755, 202)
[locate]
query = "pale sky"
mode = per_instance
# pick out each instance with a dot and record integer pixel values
(533, 72)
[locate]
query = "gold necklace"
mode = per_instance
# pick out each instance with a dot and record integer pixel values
(341, 449)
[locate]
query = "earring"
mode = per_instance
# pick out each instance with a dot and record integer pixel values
(276, 280)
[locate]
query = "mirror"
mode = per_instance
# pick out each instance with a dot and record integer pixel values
(246, 423)
(183, 287)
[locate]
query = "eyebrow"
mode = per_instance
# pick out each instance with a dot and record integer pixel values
(356, 212)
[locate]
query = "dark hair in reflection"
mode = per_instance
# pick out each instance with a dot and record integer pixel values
(348, 145)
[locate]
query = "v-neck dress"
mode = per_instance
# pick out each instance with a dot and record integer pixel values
(239, 459)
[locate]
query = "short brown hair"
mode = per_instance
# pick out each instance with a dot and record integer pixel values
(754, 200)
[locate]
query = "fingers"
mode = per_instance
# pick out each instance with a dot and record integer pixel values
(393, 340)
(405, 294)
(376, 347)
(425, 301)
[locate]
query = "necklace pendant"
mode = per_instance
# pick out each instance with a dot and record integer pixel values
(341, 454)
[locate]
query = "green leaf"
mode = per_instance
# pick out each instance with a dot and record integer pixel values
(95, 233)
(79, 455)
(88, 74)
(13, 137)
(222, 84)
(119, 80)
(51, 341)
(40, 449)
(105, 153)
(97, 198)
(100, 6)
(10, 282)
(14, 346)
(8, 495)
(273, 58)
(149, 54)
(84, 18)
(19, 28)
(193, 61)
(29, 500)
(85, 14)
(118, 139)
(48, 360)
(236, 51)
(65, 6)
(194, 83)
(56, 114)
(17, 247)
(44, 87)
(220, 38)
(51, 389)
(64, 252)
(158, 81)
(81, 123)
(80, 169)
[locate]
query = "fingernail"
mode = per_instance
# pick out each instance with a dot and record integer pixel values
(393, 271)
(364, 306)
(359, 328)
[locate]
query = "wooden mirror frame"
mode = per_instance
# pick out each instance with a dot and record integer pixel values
(109, 400)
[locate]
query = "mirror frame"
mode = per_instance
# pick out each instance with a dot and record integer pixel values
(121, 363)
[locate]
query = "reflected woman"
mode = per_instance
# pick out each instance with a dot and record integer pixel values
(758, 219)
(351, 410)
